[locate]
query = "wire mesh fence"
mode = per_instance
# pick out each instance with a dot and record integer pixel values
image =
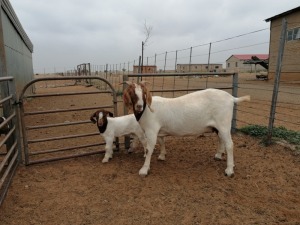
(208, 57)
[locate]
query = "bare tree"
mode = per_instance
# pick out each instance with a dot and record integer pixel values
(147, 32)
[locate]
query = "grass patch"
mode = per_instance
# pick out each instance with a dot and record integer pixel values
(281, 133)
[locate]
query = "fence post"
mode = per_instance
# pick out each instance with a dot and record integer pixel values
(165, 61)
(15, 120)
(277, 79)
(235, 79)
(127, 137)
(208, 63)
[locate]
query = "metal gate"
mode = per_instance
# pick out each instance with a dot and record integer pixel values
(10, 152)
(47, 125)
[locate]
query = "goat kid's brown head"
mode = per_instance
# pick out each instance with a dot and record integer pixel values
(136, 97)
(100, 117)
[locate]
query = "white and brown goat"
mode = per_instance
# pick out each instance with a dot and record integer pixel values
(190, 114)
(111, 127)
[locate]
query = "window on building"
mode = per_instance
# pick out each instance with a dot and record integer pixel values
(195, 67)
(236, 64)
(293, 34)
(228, 65)
(216, 67)
(206, 67)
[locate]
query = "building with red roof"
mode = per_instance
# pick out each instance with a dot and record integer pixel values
(242, 63)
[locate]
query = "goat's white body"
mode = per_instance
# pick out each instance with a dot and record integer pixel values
(120, 126)
(191, 114)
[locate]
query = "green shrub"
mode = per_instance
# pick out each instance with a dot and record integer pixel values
(293, 137)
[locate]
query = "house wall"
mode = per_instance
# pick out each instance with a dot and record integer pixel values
(146, 69)
(185, 68)
(290, 65)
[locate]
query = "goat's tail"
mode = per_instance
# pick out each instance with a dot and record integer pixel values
(242, 99)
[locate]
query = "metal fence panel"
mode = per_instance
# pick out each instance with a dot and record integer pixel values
(10, 152)
(42, 141)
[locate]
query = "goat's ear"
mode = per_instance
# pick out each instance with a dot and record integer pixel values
(93, 117)
(127, 99)
(148, 98)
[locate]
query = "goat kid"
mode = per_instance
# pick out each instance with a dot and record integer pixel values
(111, 127)
(190, 114)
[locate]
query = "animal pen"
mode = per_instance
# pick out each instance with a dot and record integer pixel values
(40, 142)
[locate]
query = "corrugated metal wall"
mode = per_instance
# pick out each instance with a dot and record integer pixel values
(17, 48)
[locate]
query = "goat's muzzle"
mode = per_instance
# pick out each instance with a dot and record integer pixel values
(139, 108)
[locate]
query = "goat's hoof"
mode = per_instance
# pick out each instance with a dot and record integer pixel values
(230, 176)
(219, 157)
(144, 171)
(161, 157)
(229, 173)
(105, 160)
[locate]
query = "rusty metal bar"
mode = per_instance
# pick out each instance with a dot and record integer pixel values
(7, 156)
(8, 169)
(9, 180)
(64, 157)
(61, 138)
(9, 78)
(7, 136)
(7, 120)
(6, 99)
(64, 149)
(67, 110)
(65, 78)
(12, 157)
(178, 74)
(67, 93)
(57, 125)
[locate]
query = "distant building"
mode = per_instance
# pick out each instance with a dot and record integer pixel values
(236, 63)
(291, 56)
(185, 68)
(146, 69)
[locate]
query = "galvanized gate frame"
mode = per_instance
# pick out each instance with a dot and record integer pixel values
(12, 157)
(27, 154)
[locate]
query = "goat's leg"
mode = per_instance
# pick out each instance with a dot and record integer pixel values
(221, 150)
(143, 140)
(134, 144)
(226, 138)
(151, 141)
(161, 142)
(108, 151)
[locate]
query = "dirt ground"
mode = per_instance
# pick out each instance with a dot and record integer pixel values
(188, 188)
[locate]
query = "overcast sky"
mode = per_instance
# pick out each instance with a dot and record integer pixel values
(66, 33)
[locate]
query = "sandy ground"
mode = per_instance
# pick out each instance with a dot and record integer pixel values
(188, 188)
